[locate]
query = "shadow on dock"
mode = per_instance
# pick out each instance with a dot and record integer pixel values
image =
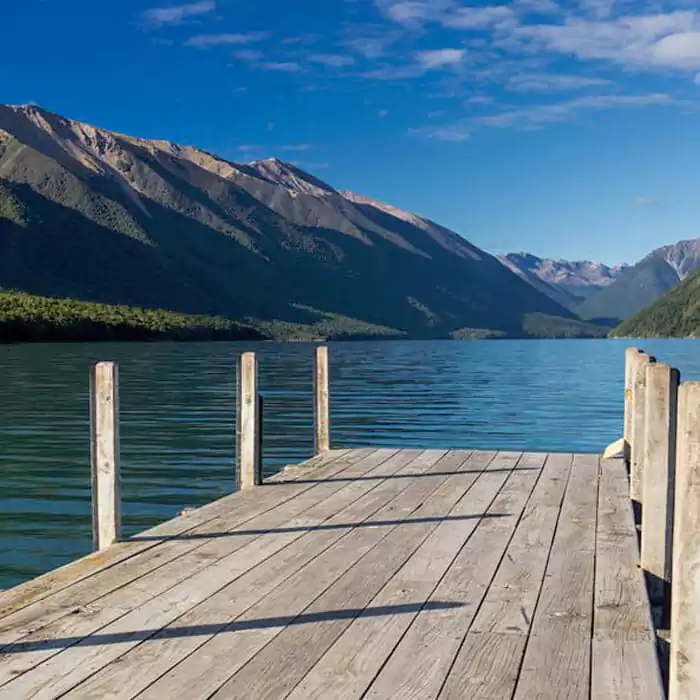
(237, 626)
(320, 528)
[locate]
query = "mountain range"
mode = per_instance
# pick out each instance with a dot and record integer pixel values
(96, 216)
(568, 283)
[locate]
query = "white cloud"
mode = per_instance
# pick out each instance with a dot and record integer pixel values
(282, 66)
(383, 113)
(598, 8)
(480, 100)
(479, 17)
(681, 50)
(536, 116)
(552, 82)
(439, 58)
(204, 41)
(455, 133)
(643, 202)
(332, 60)
(175, 14)
(646, 41)
(296, 147)
(250, 55)
(413, 13)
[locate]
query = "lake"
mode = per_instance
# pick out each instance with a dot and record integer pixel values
(177, 418)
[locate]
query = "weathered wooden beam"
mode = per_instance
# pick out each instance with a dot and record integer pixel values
(248, 461)
(661, 407)
(322, 427)
(104, 453)
(637, 427)
(631, 355)
(684, 680)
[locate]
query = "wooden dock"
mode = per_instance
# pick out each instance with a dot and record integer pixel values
(383, 573)
(360, 574)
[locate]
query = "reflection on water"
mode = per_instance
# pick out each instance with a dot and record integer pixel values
(178, 403)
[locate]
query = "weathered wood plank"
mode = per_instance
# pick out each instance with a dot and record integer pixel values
(488, 663)
(349, 666)
(421, 661)
(322, 420)
(174, 580)
(557, 658)
(248, 443)
(624, 663)
(214, 663)
(229, 506)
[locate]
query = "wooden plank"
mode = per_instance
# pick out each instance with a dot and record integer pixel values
(245, 505)
(256, 539)
(32, 618)
(79, 661)
(420, 663)
(349, 666)
(104, 455)
(488, 663)
(557, 659)
(145, 663)
(625, 664)
(215, 662)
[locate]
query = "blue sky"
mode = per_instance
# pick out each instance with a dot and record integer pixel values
(564, 128)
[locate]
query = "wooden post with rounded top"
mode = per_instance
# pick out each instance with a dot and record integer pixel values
(322, 427)
(661, 406)
(248, 447)
(684, 676)
(631, 355)
(104, 455)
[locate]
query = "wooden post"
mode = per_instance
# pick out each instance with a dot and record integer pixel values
(658, 486)
(248, 463)
(631, 355)
(637, 426)
(322, 429)
(104, 455)
(684, 677)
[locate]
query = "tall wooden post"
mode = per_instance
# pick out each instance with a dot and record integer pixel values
(104, 454)
(631, 355)
(322, 428)
(637, 449)
(661, 407)
(248, 461)
(684, 677)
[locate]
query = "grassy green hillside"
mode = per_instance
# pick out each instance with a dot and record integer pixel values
(675, 315)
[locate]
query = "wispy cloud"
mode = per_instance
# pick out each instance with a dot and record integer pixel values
(296, 147)
(479, 17)
(553, 82)
(205, 41)
(644, 202)
(536, 116)
(332, 60)
(281, 66)
(250, 55)
(438, 58)
(175, 14)
(383, 113)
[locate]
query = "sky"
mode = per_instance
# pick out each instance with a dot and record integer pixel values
(565, 128)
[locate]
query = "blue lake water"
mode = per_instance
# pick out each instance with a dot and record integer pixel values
(177, 418)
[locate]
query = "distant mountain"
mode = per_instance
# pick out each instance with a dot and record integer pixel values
(674, 315)
(643, 283)
(567, 283)
(92, 215)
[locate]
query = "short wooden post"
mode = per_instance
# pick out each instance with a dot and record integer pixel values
(631, 355)
(637, 426)
(248, 463)
(104, 455)
(322, 429)
(684, 677)
(658, 481)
